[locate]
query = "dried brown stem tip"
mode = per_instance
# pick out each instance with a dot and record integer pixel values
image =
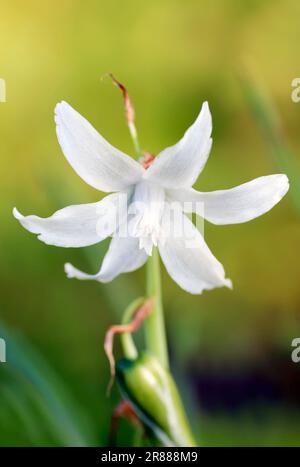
(139, 316)
(129, 110)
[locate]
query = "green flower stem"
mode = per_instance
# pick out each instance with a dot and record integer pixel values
(154, 324)
(157, 344)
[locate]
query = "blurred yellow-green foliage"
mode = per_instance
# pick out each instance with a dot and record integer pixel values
(230, 349)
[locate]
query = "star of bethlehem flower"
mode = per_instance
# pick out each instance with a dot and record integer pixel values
(153, 188)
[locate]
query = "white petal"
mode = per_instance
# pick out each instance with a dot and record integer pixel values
(124, 255)
(180, 165)
(75, 226)
(96, 161)
(188, 259)
(239, 204)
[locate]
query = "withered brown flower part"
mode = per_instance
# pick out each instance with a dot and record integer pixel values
(139, 316)
(129, 110)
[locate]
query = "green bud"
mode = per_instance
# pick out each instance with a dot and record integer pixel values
(153, 394)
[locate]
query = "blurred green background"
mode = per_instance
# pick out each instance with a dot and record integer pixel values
(230, 349)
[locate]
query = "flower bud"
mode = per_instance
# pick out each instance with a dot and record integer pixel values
(153, 394)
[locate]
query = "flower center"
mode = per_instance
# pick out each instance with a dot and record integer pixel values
(146, 211)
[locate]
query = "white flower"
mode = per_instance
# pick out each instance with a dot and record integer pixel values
(170, 177)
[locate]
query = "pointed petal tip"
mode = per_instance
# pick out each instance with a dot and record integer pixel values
(281, 187)
(74, 273)
(61, 104)
(58, 111)
(17, 214)
(69, 270)
(223, 283)
(285, 183)
(205, 109)
(204, 114)
(226, 283)
(57, 107)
